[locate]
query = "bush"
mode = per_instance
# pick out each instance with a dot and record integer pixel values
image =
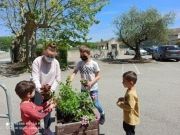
(62, 57)
(5, 43)
(39, 51)
(73, 105)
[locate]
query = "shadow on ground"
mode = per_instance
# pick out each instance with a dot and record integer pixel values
(12, 70)
(171, 60)
(126, 61)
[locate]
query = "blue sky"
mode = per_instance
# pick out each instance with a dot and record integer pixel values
(105, 29)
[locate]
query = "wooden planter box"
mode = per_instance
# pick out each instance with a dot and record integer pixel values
(77, 129)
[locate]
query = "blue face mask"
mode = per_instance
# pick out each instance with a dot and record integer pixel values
(48, 59)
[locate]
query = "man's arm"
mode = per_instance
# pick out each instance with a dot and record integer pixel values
(36, 76)
(57, 78)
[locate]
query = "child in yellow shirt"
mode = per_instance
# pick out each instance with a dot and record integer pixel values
(129, 103)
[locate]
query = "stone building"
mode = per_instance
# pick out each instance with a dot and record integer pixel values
(111, 46)
(174, 36)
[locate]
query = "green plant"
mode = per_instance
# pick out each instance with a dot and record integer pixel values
(84, 82)
(5, 43)
(62, 57)
(72, 105)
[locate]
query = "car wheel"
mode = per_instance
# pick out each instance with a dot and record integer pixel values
(96, 56)
(161, 58)
(155, 58)
(177, 60)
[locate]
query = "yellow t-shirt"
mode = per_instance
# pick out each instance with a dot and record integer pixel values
(130, 107)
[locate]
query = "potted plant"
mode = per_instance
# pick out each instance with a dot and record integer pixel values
(75, 112)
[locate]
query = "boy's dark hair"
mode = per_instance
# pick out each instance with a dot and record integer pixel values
(52, 47)
(130, 76)
(24, 87)
(84, 48)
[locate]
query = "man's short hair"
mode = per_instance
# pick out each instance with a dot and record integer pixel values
(52, 47)
(84, 48)
(24, 87)
(130, 76)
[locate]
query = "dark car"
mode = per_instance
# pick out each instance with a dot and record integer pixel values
(166, 52)
(149, 50)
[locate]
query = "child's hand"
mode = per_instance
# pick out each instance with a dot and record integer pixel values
(84, 82)
(45, 88)
(53, 105)
(89, 84)
(46, 94)
(121, 99)
(42, 88)
(50, 107)
(50, 101)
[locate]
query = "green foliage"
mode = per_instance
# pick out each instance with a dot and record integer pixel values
(65, 21)
(74, 105)
(91, 45)
(62, 57)
(135, 27)
(5, 43)
(39, 51)
(178, 43)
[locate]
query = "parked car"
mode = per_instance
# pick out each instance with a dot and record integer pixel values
(166, 52)
(132, 52)
(149, 50)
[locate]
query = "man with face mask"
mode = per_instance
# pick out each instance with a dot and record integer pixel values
(46, 75)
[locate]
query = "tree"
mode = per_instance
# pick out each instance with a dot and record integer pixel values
(63, 20)
(135, 27)
(5, 43)
(178, 42)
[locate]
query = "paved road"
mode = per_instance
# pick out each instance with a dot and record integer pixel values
(158, 88)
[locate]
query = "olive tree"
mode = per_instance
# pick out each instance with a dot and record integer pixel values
(135, 27)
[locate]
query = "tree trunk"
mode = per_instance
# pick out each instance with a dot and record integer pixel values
(27, 52)
(16, 55)
(137, 53)
(33, 47)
